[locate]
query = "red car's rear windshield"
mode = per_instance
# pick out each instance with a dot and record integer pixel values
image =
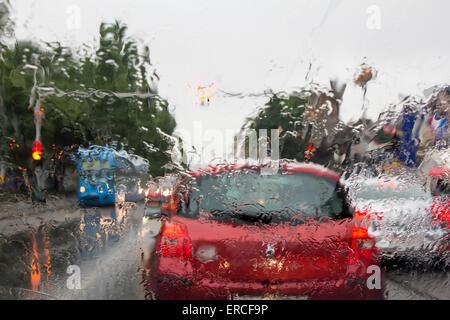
(246, 195)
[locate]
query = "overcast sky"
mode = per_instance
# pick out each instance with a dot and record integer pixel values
(250, 46)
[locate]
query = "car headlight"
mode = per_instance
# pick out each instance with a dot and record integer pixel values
(82, 189)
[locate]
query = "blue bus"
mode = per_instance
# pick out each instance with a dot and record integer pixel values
(103, 171)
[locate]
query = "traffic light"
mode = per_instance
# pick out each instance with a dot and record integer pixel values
(37, 151)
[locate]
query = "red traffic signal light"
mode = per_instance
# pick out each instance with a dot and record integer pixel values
(37, 147)
(37, 150)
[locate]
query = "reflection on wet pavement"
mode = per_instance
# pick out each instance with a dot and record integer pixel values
(103, 242)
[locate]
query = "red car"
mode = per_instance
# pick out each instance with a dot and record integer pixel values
(238, 234)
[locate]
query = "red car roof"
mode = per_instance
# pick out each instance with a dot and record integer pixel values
(289, 167)
(439, 172)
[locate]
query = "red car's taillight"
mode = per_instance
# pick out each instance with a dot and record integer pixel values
(175, 241)
(362, 242)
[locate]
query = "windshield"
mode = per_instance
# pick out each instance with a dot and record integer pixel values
(96, 171)
(95, 165)
(248, 195)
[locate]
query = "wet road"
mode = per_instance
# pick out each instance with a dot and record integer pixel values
(104, 243)
(95, 253)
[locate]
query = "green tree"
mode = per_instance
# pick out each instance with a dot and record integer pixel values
(16, 81)
(308, 122)
(101, 97)
(285, 113)
(131, 111)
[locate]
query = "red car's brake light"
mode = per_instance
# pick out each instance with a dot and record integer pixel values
(361, 226)
(362, 242)
(359, 233)
(363, 219)
(175, 241)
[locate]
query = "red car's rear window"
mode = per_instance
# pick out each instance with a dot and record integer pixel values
(247, 196)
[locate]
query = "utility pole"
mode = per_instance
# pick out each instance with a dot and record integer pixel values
(38, 112)
(35, 100)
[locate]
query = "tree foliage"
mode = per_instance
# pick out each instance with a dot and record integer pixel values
(287, 114)
(307, 121)
(104, 96)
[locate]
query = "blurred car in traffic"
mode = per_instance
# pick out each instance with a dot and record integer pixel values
(159, 196)
(153, 200)
(436, 169)
(134, 192)
(235, 233)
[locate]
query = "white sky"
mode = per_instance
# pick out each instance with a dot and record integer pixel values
(250, 46)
